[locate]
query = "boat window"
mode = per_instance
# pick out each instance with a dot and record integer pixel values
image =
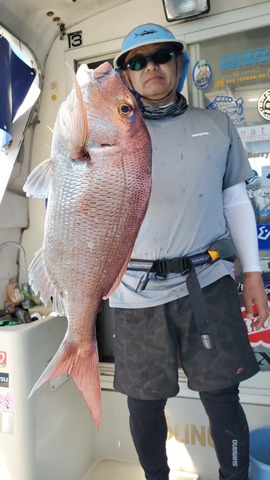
(232, 74)
(20, 88)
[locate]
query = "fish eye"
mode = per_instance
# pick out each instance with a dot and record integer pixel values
(125, 109)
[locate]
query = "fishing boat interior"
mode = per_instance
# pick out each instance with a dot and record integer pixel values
(51, 435)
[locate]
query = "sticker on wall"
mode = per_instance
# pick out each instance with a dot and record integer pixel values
(265, 264)
(75, 39)
(4, 379)
(7, 402)
(3, 359)
(233, 107)
(263, 231)
(247, 57)
(265, 178)
(257, 337)
(260, 199)
(202, 74)
(264, 104)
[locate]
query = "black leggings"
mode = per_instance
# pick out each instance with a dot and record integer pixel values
(228, 425)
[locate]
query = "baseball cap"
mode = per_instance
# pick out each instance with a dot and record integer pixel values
(150, 33)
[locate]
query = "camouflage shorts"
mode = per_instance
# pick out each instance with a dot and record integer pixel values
(149, 342)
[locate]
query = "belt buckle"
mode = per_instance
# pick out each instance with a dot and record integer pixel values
(185, 265)
(161, 269)
(181, 265)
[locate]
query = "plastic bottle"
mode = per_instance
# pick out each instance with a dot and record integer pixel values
(12, 289)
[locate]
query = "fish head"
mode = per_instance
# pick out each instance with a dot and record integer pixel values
(114, 118)
(99, 114)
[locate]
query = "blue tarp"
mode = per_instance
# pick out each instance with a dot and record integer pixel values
(15, 80)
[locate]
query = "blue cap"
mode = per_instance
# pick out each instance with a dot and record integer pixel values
(148, 34)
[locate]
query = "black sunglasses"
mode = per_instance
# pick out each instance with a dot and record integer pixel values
(159, 58)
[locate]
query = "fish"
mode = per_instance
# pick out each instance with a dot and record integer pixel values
(97, 183)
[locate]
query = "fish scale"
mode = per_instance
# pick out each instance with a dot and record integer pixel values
(98, 184)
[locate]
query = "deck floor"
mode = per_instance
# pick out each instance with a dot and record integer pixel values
(115, 470)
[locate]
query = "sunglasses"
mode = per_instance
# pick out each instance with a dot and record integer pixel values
(158, 58)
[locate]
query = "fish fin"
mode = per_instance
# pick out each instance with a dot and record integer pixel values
(39, 180)
(85, 372)
(118, 280)
(76, 124)
(42, 285)
(83, 365)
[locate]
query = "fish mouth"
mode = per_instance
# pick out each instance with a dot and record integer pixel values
(103, 69)
(86, 74)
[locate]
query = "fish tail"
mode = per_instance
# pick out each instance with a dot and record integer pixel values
(83, 366)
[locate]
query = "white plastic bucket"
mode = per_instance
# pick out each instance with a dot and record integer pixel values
(259, 467)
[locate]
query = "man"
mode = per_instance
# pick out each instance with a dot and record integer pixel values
(178, 298)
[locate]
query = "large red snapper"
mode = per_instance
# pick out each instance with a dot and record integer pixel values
(98, 183)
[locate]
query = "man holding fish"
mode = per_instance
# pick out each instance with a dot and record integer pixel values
(178, 298)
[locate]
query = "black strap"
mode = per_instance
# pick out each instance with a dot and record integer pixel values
(185, 266)
(179, 265)
(223, 247)
(199, 308)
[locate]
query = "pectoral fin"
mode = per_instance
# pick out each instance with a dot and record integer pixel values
(39, 180)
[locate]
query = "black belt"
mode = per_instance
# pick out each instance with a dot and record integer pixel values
(161, 268)
(186, 266)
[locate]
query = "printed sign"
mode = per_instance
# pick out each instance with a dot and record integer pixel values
(4, 379)
(75, 39)
(264, 105)
(233, 107)
(264, 237)
(237, 77)
(265, 264)
(202, 74)
(260, 337)
(248, 57)
(260, 199)
(255, 133)
(3, 359)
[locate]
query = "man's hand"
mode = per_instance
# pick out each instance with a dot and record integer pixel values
(254, 293)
